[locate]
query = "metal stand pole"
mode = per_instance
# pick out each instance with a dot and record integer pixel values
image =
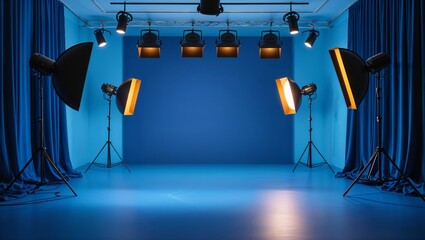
(309, 146)
(376, 155)
(42, 149)
(109, 144)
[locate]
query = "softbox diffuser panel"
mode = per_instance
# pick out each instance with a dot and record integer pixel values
(290, 95)
(127, 94)
(352, 75)
(69, 74)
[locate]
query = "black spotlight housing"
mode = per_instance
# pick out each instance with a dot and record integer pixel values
(378, 62)
(123, 19)
(109, 89)
(192, 44)
(292, 19)
(308, 89)
(100, 38)
(270, 45)
(227, 44)
(149, 44)
(312, 36)
(210, 7)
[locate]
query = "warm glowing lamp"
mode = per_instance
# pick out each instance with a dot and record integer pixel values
(228, 44)
(192, 44)
(149, 45)
(127, 96)
(270, 45)
(290, 95)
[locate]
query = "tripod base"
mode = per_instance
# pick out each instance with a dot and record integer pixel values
(109, 164)
(44, 156)
(380, 180)
(309, 163)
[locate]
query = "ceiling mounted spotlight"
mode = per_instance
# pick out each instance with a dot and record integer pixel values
(149, 45)
(292, 18)
(270, 45)
(227, 44)
(312, 36)
(192, 44)
(210, 7)
(100, 39)
(123, 19)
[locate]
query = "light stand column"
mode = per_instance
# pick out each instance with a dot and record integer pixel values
(109, 144)
(310, 145)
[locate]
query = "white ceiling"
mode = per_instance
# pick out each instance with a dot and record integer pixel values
(171, 18)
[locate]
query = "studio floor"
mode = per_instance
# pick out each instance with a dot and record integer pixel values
(202, 202)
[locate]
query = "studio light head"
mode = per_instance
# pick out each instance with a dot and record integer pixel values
(353, 73)
(126, 94)
(68, 72)
(109, 89)
(309, 89)
(378, 62)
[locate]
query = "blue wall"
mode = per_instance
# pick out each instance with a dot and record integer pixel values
(207, 110)
(77, 121)
(329, 113)
(234, 119)
(87, 128)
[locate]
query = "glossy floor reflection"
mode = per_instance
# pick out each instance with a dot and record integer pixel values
(265, 202)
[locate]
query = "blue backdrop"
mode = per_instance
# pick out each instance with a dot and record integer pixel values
(207, 110)
(26, 28)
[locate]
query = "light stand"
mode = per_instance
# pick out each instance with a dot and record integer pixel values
(310, 144)
(376, 155)
(109, 144)
(42, 148)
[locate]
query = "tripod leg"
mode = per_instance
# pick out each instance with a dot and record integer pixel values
(120, 157)
(299, 160)
(322, 157)
(371, 160)
(402, 175)
(22, 170)
(373, 166)
(57, 170)
(104, 145)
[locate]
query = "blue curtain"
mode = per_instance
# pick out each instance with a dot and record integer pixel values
(28, 27)
(396, 27)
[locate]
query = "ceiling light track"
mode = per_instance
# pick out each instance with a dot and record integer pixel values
(173, 23)
(196, 3)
